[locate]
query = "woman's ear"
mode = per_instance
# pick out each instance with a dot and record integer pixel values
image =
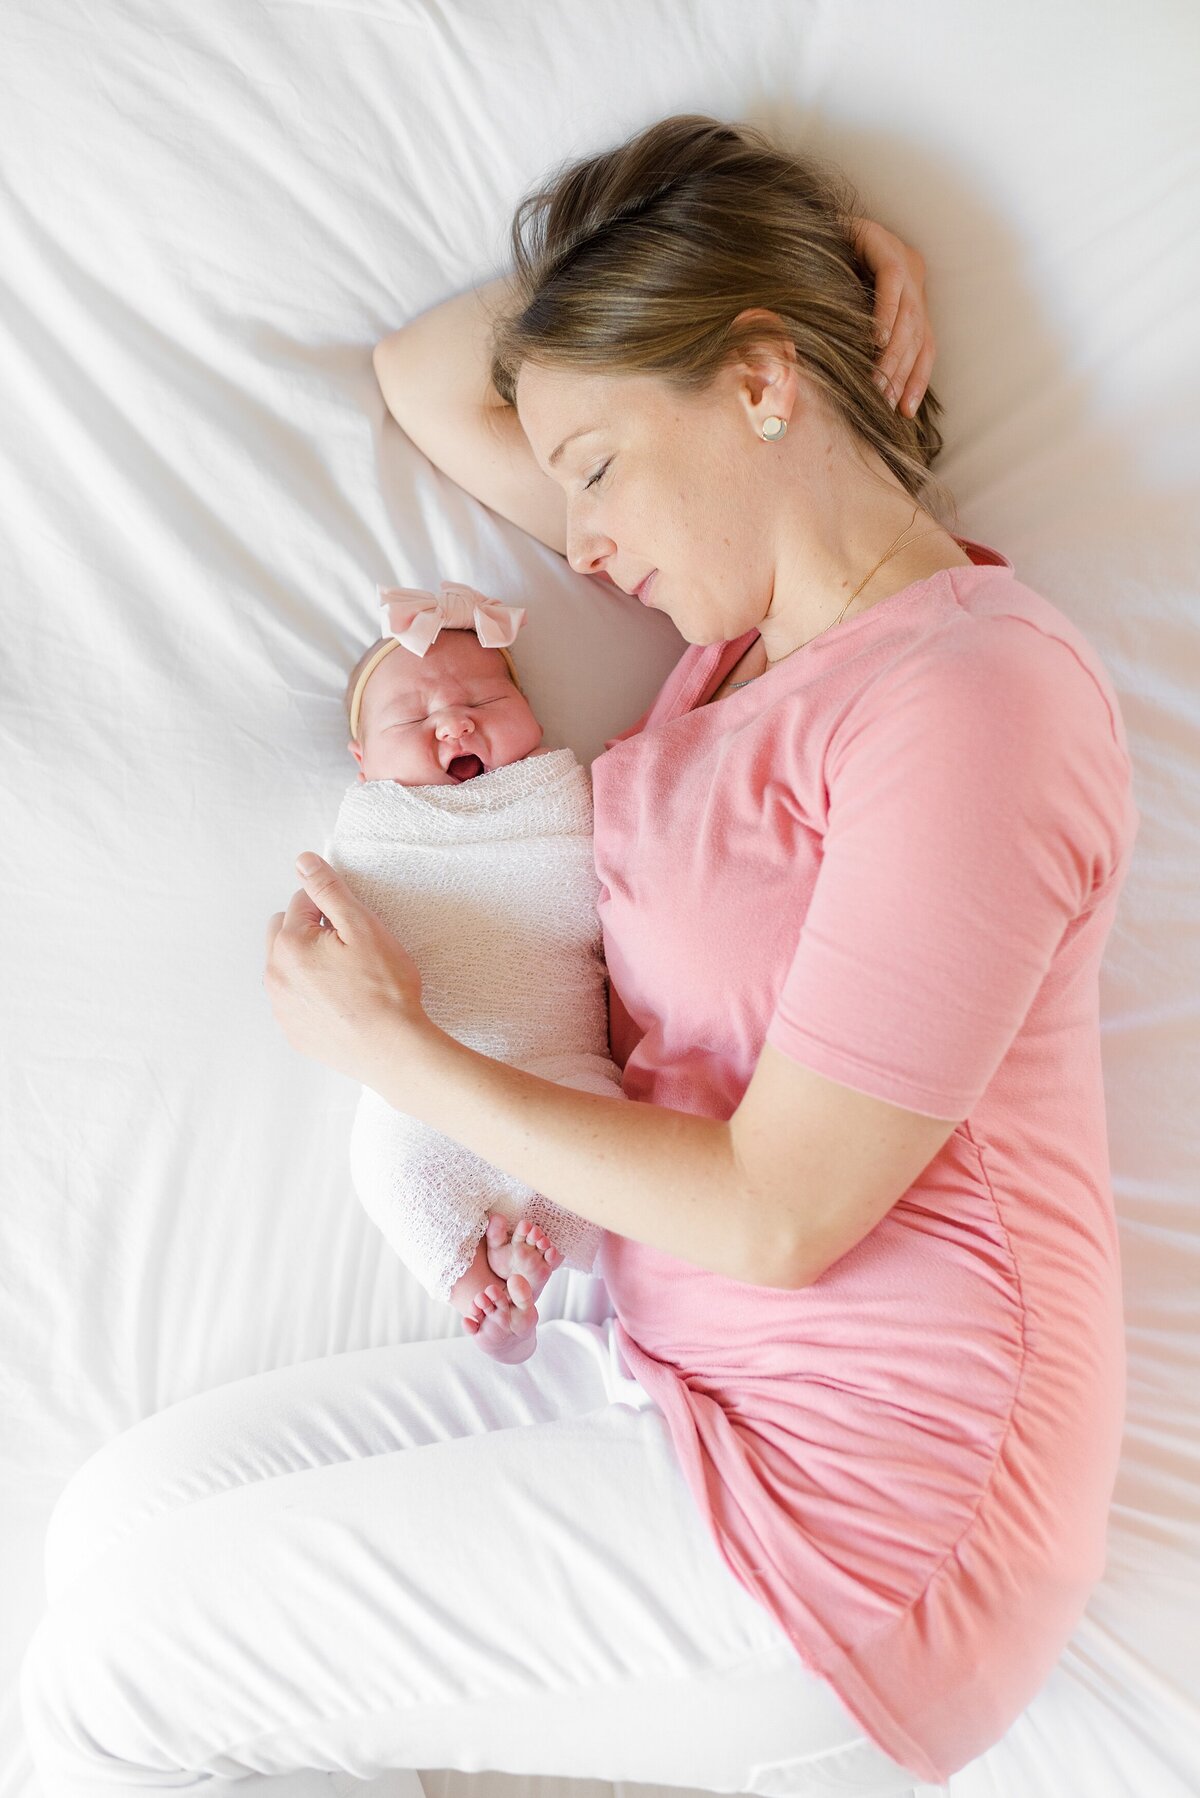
(774, 349)
(769, 387)
(766, 372)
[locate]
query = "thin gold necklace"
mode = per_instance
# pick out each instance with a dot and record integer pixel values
(885, 557)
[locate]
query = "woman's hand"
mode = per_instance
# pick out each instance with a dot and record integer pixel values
(902, 325)
(346, 992)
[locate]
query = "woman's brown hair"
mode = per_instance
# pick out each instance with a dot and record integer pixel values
(637, 261)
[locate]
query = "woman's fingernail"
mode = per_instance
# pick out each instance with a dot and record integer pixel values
(307, 864)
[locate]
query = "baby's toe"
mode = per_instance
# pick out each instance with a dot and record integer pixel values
(520, 1291)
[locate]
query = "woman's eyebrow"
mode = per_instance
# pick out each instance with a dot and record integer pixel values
(585, 432)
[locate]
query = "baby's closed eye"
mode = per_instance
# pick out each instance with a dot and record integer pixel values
(473, 705)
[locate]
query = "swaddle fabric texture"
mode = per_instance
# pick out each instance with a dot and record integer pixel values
(491, 887)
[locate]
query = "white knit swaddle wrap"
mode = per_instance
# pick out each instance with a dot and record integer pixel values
(491, 887)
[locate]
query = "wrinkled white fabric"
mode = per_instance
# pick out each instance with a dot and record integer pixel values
(491, 887)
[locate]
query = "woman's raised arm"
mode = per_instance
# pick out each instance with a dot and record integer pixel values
(436, 380)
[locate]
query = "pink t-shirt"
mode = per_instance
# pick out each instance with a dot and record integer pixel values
(895, 856)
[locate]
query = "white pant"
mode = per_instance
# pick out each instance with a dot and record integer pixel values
(411, 1556)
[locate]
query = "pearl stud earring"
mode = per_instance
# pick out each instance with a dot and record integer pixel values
(773, 429)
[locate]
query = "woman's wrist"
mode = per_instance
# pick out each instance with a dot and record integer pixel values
(403, 1058)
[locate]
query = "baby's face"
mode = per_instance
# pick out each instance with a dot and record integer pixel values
(442, 718)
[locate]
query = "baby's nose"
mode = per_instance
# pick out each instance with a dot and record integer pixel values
(454, 724)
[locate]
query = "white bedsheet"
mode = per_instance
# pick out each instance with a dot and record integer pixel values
(208, 213)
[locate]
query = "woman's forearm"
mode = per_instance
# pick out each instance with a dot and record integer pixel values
(665, 1178)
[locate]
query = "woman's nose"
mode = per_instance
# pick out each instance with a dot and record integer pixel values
(587, 551)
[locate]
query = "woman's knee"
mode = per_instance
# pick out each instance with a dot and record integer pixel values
(151, 1659)
(191, 1450)
(74, 1700)
(118, 1487)
(87, 1514)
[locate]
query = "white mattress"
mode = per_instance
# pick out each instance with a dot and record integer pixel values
(207, 216)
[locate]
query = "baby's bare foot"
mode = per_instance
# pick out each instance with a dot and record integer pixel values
(504, 1328)
(528, 1256)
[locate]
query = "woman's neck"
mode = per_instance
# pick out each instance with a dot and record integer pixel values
(854, 538)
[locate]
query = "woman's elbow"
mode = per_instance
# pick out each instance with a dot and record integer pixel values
(384, 350)
(804, 1254)
(388, 361)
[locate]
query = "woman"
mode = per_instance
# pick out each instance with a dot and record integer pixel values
(818, 1510)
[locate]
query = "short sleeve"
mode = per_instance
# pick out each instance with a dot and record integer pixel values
(978, 803)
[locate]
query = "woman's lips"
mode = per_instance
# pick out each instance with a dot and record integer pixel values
(646, 586)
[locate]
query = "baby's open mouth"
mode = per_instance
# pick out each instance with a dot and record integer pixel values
(465, 767)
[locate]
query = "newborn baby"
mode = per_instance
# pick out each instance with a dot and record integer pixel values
(473, 844)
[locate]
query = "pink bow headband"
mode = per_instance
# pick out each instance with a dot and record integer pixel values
(416, 618)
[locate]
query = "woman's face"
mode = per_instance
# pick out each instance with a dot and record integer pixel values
(676, 487)
(442, 718)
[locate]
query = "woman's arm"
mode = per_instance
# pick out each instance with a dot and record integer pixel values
(436, 379)
(799, 1175)
(802, 1171)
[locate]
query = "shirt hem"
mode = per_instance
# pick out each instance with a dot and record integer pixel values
(826, 1658)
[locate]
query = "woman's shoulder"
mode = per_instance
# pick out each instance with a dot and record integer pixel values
(1006, 638)
(994, 706)
(972, 636)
